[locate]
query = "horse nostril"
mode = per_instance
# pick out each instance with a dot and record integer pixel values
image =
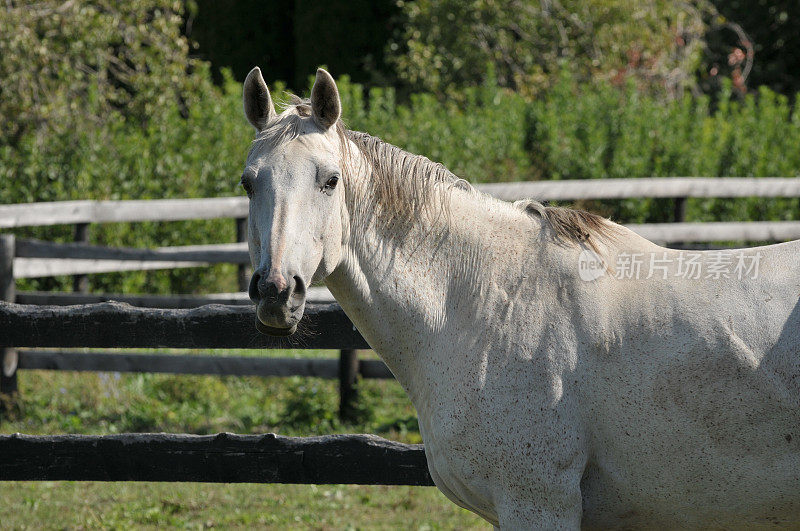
(253, 291)
(261, 288)
(298, 295)
(274, 289)
(299, 286)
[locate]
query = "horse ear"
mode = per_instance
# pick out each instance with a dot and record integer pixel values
(257, 102)
(325, 104)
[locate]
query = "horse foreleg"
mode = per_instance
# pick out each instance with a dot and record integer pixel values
(541, 489)
(526, 516)
(561, 508)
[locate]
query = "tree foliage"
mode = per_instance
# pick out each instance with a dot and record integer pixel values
(66, 63)
(450, 42)
(769, 30)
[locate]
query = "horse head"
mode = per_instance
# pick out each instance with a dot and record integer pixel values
(293, 178)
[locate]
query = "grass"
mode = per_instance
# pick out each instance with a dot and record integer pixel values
(61, 505)
(101, 403)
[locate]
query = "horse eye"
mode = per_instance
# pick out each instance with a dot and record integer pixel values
(331, 183)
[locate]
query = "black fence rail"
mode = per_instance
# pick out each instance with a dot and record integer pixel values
(65, 360)
(118, 325)
(221, 458)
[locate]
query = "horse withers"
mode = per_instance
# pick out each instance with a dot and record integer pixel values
(565, 371)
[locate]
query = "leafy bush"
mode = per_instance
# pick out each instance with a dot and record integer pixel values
(599, 131)
(199, 155)
(100, 100)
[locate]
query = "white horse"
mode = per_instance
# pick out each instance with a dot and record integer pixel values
(566, 371)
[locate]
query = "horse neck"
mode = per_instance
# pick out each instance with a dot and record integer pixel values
(401, 284)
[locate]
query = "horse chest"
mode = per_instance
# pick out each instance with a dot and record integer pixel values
(460, 459)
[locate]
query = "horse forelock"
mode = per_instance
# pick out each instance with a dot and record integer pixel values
(285, 127)
(407, 187)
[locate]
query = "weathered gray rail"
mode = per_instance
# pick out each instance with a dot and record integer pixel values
(89, 211)
(42, 259)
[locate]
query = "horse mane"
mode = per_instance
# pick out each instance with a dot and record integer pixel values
(572, 225)
(407, 186)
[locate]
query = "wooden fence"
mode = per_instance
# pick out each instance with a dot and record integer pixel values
(30, 331)
(356, 459)
(26, 258)
(221, 458)
(120, 325)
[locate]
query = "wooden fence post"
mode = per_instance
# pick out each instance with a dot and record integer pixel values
(80, 283)
(348, 374)
(244, 270)
(680, 210)
(679, 216)
(8, 356)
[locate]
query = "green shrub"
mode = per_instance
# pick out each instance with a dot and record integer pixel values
(599, 131)
(480, 138)
(100, 100)
(187, 150)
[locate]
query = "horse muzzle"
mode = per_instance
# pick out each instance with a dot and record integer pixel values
(279, 302)
(278, 320)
